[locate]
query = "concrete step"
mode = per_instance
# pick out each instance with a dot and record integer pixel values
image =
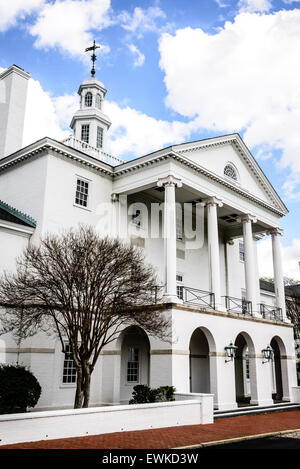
(254, 409)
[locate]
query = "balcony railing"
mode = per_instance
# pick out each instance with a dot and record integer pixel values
(196, 297)
(73, 142)
(238, 305)
(271, 312)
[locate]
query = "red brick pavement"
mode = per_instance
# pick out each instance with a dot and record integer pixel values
(172, 437)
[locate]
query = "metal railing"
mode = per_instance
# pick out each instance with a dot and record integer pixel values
(238, 305)
(271, 312)
(196, 297)
(73, 142)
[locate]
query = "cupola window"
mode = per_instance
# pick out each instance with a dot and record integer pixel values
(230, 172)
(88, 99)
(98, 101)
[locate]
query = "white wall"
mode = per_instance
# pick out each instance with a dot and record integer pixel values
(17, 428)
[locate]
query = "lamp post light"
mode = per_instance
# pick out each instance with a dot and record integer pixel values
(268, 354)
(230, 351)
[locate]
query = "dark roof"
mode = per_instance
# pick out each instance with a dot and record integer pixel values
(290, 290)
(11, 214)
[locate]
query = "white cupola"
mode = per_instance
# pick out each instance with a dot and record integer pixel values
(89, 123)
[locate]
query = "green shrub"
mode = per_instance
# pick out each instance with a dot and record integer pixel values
(19, 389)
(143, 394)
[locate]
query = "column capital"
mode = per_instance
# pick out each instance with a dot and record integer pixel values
(114, 197)
(275, 231)
(247, 217)
(169, 181)
(212, 201)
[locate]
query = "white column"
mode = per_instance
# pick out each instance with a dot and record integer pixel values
(170, 183)
(278, 271)
(213, 248)
(251, 290)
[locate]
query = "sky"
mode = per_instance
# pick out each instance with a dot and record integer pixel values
(175, 71)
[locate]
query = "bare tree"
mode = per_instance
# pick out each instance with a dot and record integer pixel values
(292, 303)
(86, 289)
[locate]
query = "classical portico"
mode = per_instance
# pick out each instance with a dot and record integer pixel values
(174, 192)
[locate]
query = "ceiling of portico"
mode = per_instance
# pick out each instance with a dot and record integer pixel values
(228, 217)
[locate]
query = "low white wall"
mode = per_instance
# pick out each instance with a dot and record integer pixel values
(35, 426)
(207, 404)
(296, 394)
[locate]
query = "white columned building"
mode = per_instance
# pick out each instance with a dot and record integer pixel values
(208, 279)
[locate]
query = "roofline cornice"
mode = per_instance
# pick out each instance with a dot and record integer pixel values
(46, 144)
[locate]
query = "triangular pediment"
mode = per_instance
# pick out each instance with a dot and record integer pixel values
(215, 153)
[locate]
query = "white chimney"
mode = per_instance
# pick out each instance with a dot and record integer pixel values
(13, 95)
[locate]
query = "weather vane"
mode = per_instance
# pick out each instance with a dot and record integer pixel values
(93, 56)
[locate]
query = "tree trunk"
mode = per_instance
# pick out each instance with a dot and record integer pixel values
(79, 394)
(82, 395)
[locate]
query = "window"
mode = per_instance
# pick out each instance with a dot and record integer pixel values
(133, 365)
(69, 369)
(230, 172)
(82, 192)
(99, 137)
(85, 133)
(136, 217)
(179, 229)
(179, 286)
(98, 101)
(88, 99)
(247, 366)
(241, 251)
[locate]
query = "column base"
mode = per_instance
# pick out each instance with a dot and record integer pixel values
(171, 299)
(227, 406)
(262, 402)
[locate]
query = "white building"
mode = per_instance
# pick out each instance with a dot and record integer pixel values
(209, 269)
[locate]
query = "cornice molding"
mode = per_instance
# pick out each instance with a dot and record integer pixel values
(45, 145)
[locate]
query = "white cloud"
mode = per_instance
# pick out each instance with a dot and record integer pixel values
(67, 24)
(139, 58)
(137, 133)
(12, 10)
(40, 116)
(222, 3)
(244, 77)
(142, 20)
(290, 259)
(253, 6)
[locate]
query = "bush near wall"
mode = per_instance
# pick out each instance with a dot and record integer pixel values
(19, 389)
(143, 394)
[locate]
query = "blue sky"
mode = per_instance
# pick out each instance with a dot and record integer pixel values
(175, 71)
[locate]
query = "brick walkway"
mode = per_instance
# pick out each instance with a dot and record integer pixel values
(172, 437)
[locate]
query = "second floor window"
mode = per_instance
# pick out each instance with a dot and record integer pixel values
(82, 192)
(85, 133)
(241, 251)
(179, 286)
(99, 137)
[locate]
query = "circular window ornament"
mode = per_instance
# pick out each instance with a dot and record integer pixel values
(230, 172)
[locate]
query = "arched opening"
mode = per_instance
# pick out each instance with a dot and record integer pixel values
(280, 388)
(245, 370)
(203, 372)
(88, 100)
(135, 353)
